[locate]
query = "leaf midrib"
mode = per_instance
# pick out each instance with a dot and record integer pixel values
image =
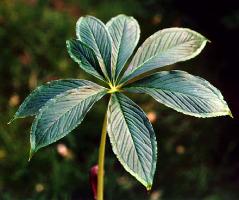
(153, 88)
(104, 67)
(43, 134)
(131, 137)
(152, 57)
(221, 100)
(120, 47)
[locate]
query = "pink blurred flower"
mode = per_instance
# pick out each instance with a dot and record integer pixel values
(93, 180)
(152, 116)
(64, 151)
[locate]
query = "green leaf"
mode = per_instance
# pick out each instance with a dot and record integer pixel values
(183, 92)
(93, 32)
(125, 34)
(85, 57)
(132, 138)
(63, 113)
(163, 48)
(42, 94)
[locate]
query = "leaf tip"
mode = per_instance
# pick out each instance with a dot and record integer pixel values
(149, 187)
(33, 148)
(207, 40)
(230, 114)
(11, 120)
(68, 45)
(32, 152)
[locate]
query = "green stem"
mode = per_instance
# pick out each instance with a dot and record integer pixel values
(100, 181)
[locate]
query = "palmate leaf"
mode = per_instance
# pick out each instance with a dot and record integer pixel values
(63, 113)
(165, 47)
(93, 32)
(132, 138)
(125, 34)
(42, 94)
(183, 92)
(102, 51)
(85, 57)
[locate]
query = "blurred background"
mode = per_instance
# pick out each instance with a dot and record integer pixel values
(198, 158)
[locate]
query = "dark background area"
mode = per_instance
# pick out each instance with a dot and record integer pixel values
(198, 158)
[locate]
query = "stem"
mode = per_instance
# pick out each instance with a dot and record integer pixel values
(100, 181)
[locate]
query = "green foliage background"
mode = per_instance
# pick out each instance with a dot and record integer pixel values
(198, 158)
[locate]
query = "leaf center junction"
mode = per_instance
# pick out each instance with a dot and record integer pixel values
(114, 89)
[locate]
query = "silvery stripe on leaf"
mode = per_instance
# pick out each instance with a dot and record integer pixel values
(85, 57)
(62, 114)
(93, 32)
(183, 92)
(125, 34)
(165, 47)
(132, 138)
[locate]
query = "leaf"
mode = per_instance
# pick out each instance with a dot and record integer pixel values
(93, 32)
(125, 34)
(85, 57)
(132, 138)
(163, 48)
(42, 94)
(183, 92)
(63, 113)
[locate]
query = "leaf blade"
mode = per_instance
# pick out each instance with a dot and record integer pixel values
(163, 48)
(93, 32)
(132, 138)
(125, 33)
(43, 93)
(85, 57)
(63, 113)
(183, 92)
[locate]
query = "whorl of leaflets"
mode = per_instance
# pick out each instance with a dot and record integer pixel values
(103, 51)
